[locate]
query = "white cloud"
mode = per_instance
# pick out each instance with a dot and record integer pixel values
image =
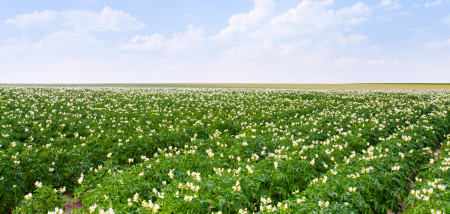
(433, 4)
(62, 39)
(240, 23)
(312, 18)
(346, 60)
(437, 44)
(385, 3)
(342, 41)
(351, 61)
(353, 15)
(72, 63)
(179, 41)
(153, 42)
(15, 45)
(79, 20)
(25, 20)
(381, 62)
(405, 13)
(390, 5)
(294, 46)
(312, 33)
(118, 20)
(446, 20)
(249, 50)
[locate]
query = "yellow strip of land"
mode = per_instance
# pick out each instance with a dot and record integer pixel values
(381, 86)
(325, 86)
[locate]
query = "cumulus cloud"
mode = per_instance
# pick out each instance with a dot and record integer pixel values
(244, 22)
(437, 44)
(346, 60)
(350, 61)
(433, 3)
(389, 4)
(179, 41)
(14, 45)
(118, 20)
(294, 46)
(337, 39)
(312, 32)
(312, 17)
(52, 41)
(79, 20)
(25, 20)
(381, 62)
(249, 50)
(61, 39)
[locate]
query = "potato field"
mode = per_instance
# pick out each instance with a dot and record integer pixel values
(223, 150)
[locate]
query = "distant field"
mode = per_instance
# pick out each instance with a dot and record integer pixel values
(327, 86)
(415, 86)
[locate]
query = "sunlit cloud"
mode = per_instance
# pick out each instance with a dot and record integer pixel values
(79, 20)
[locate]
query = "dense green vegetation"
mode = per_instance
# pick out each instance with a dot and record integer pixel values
(174, 150)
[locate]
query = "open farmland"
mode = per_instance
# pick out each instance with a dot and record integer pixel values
(223, 150)
(359, 86)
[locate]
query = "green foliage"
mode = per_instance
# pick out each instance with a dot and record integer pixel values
(43, 198)
(431, 192)
(214, 150)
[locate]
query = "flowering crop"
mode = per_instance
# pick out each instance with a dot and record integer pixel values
(127, 150)
(430, 193)
(378, 174)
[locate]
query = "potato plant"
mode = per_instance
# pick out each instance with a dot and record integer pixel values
(376, 180)
(179, 150)
(430, 193)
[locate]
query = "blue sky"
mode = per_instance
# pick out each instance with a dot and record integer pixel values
(235, 41)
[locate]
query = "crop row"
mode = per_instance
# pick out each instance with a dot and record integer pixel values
(377, 180)
(431, 191)
(273, 152)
